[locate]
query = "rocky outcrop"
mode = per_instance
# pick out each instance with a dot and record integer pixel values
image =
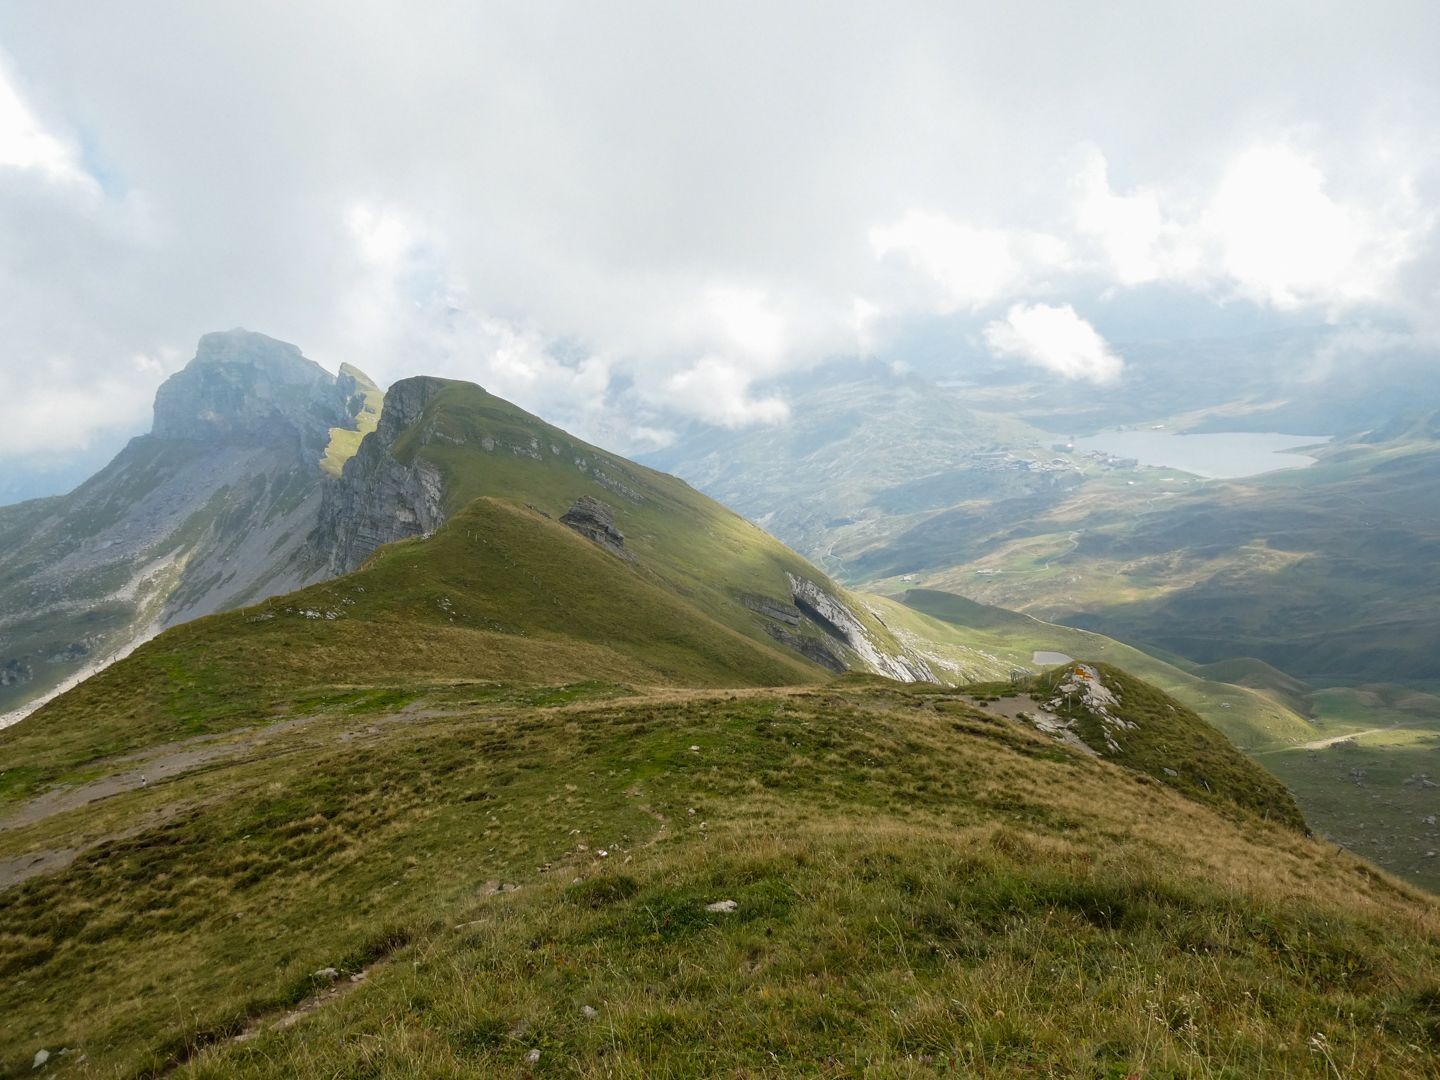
(835, 618)
(1081, 685)
(820, 650)
(249, 389)
(208, 512)
(788, 614)
(378, 498)
(595, 521)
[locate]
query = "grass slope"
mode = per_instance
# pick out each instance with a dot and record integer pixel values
(345, 441)
(918, 887)
(500, 594)
(1247, 716)
(1171, 743)
(483, 446)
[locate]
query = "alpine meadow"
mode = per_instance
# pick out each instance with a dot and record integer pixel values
(676, 541)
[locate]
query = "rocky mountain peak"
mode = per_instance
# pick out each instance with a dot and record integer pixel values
(244, 387)
(405, 401)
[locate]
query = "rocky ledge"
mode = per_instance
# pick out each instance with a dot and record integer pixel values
(595, 521)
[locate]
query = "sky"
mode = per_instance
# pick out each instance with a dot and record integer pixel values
(633, 217)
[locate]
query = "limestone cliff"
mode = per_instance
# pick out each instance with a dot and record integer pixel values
(208, 512)
(378, 498)
(836, 618)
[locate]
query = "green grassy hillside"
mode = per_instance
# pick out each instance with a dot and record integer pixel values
(479, 445)
(344, 441)
(917, 886)
(1249, 717)
(501, 594)
(504, 791)
(1146, 729)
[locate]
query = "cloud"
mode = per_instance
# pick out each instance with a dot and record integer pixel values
(630, 218)
(1285, 240)
(1138, 243)
(25, 143)
(1269, 230)
(63, 403)
(972, 266)
(1054, 338)
(718, 392)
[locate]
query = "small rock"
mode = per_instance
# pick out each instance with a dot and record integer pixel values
(41, 1056)
(603, 853)
(723, 907)
(326, 973)
(1169, 771)
(695, 748)
(533, 1056)
(589, 1012)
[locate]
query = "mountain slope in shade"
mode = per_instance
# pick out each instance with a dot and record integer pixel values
(208, 511)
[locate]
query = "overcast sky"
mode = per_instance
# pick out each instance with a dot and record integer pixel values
(627, 216)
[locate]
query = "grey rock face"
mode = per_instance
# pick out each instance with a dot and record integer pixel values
(821, 650)
(209, 512)
(832, 615)
(771, 609)
(595, 521)
(379, 499)
(247, 388)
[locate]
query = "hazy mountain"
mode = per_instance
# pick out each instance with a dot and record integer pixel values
(210, 510)
(861, 457)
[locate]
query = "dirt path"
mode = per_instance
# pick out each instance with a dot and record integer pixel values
(170, 761)
(1321, 744)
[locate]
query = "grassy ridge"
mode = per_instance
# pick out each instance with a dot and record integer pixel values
(1171, 744)
(484, 446)
(500, 593)
(1249, 717)
(916, 884)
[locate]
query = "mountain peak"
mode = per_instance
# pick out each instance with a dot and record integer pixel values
(246, 347)
(244, 387)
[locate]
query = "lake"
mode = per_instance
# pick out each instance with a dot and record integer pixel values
(1219, 455)
(1048, 659)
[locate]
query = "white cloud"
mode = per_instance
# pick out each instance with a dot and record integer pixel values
(1285, 240)
(1139, 244)
(718, 392)
(497, 192)
(747, 321)
(1270, 230)
(972, 266)
(60, 401)
(1054, 338)
(25, 143)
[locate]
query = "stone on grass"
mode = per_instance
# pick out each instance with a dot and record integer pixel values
(723, 907)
